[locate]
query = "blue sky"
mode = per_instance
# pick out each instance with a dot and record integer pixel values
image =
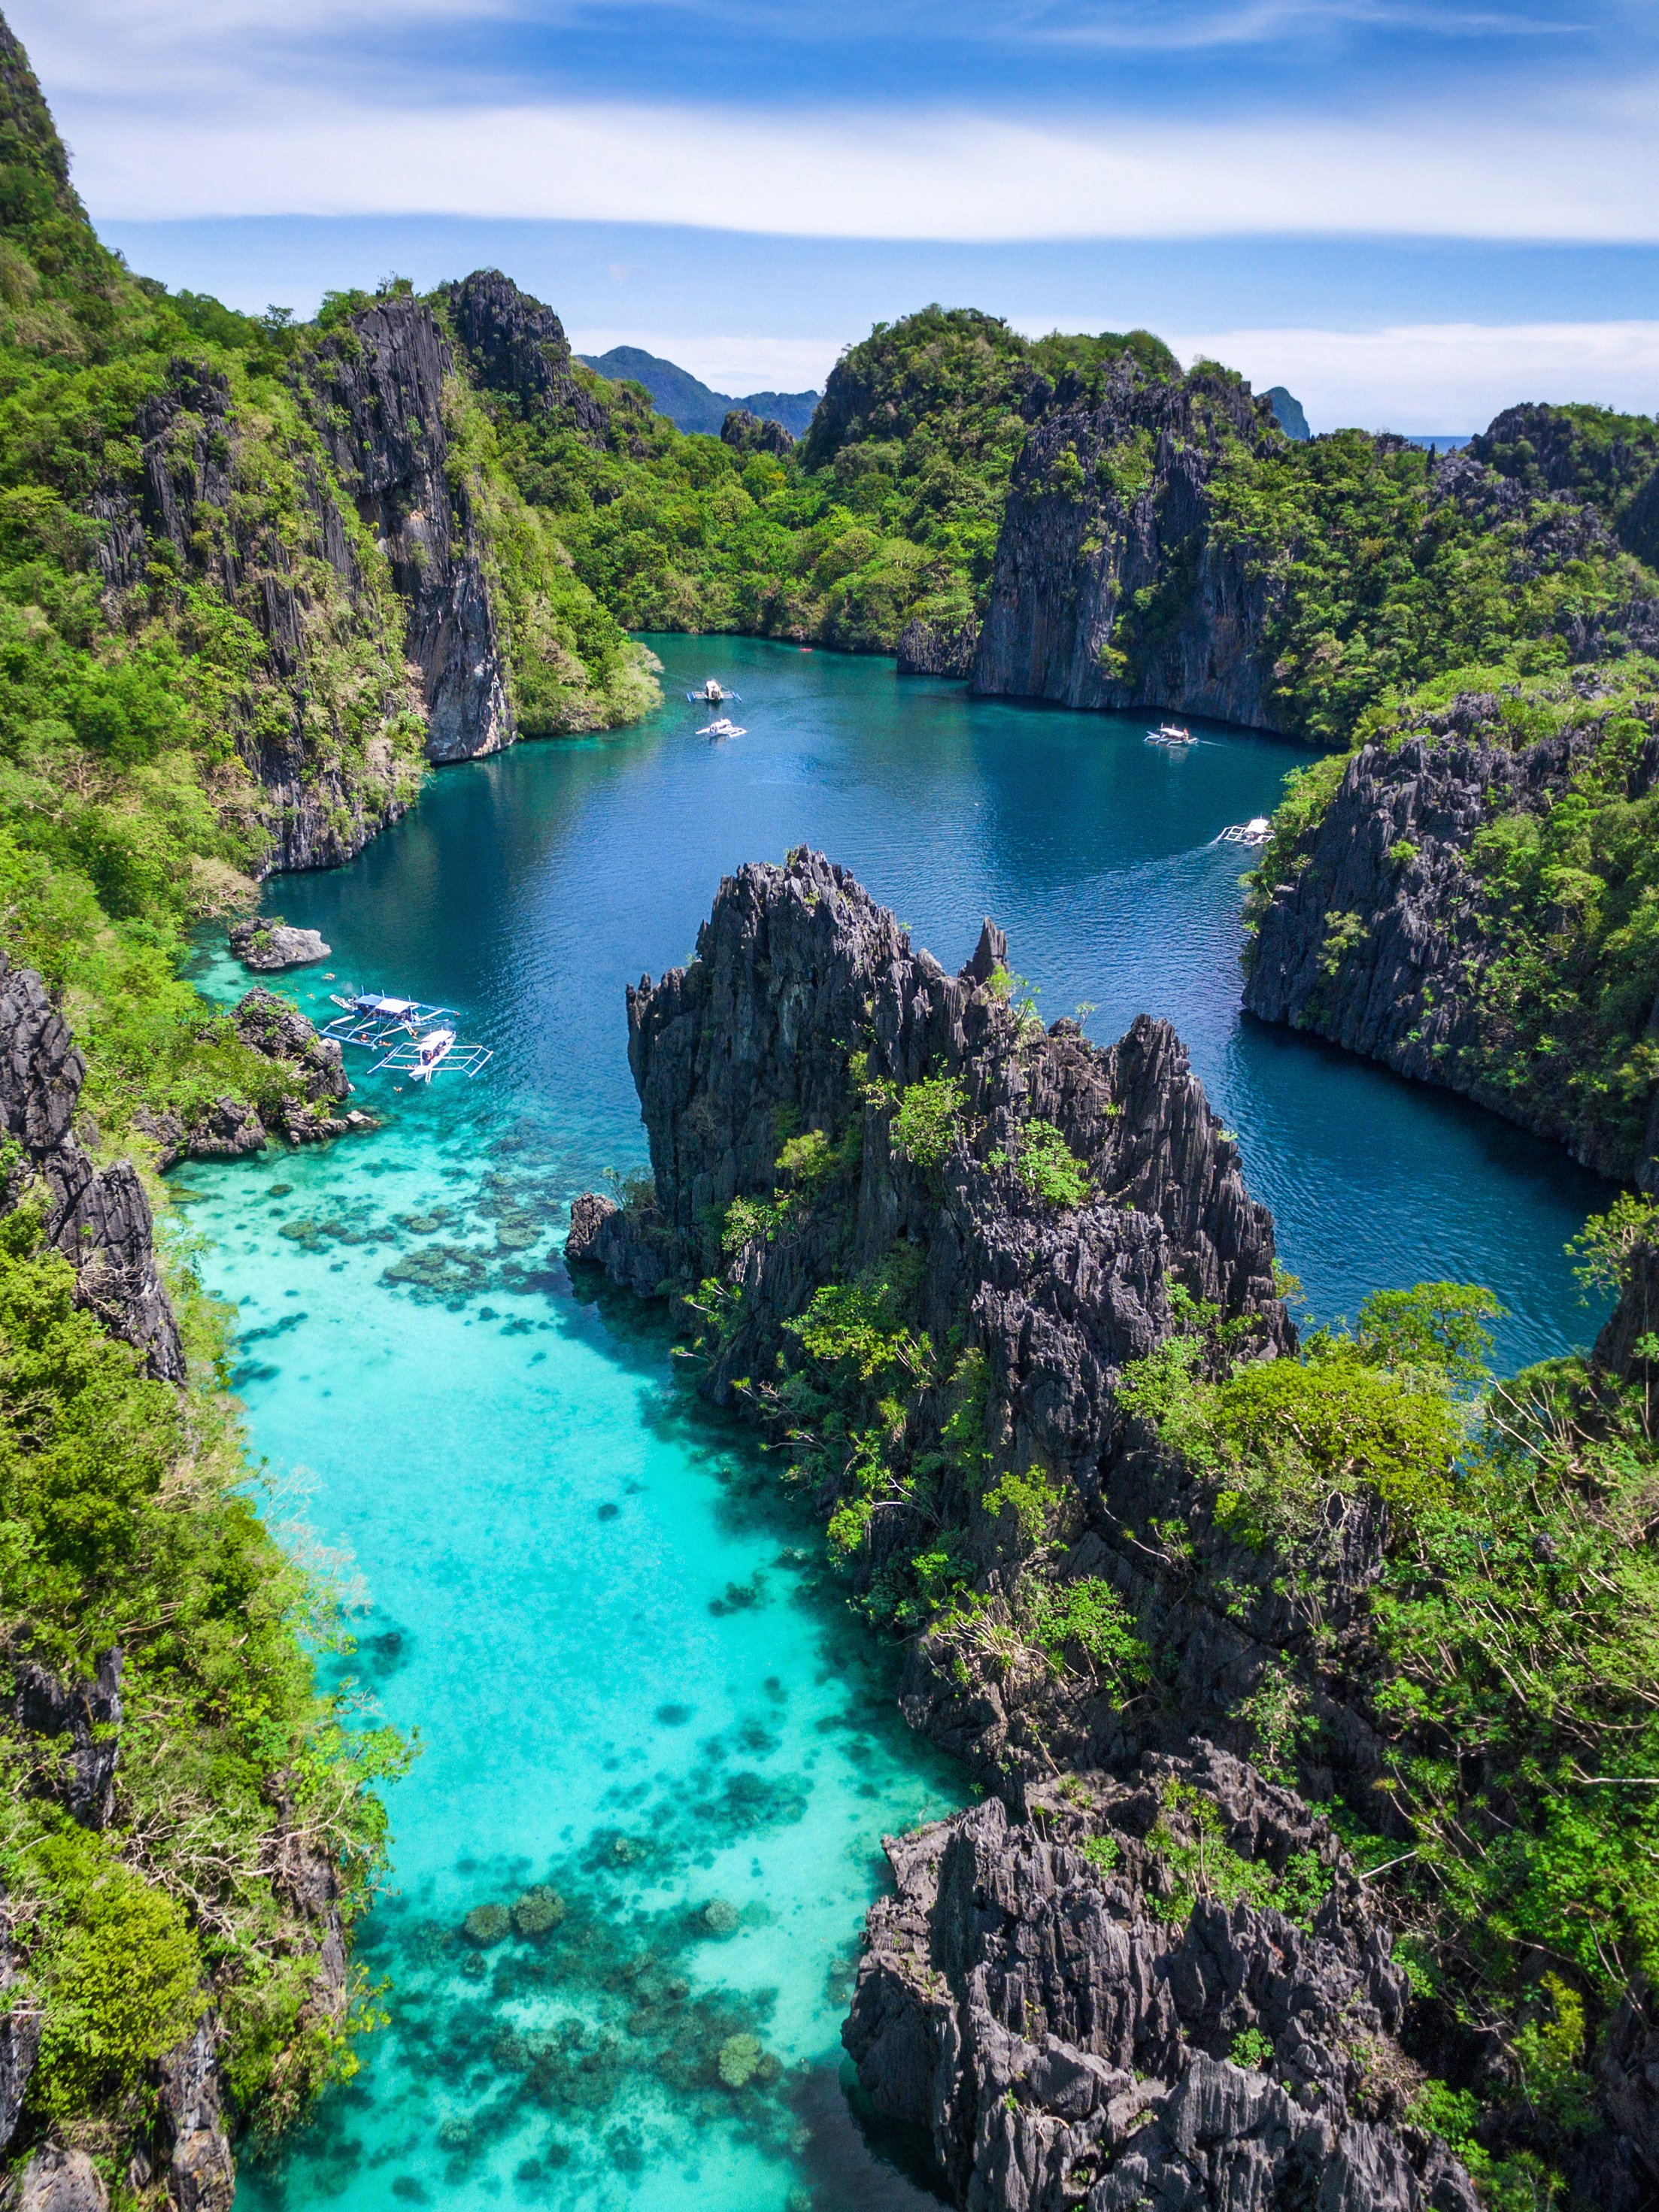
(1412, 211)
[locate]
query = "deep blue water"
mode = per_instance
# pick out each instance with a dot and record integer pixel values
(632, 1681)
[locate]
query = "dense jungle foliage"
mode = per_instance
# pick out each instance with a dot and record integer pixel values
(131, 703)
(1387, 568)
(143, 701)
(124, 1524)
(889, 509)
(1509, 1665)
(1554, 901)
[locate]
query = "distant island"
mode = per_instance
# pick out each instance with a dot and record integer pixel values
(688, 403)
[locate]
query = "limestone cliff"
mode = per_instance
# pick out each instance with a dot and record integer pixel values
(376, 394)
(98, 1217)
(841, 1131)
(516, 346)
(1108, 590)
(1422, 913)
(1069, 2028)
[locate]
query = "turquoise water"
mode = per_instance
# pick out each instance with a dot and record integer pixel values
(633, 1684)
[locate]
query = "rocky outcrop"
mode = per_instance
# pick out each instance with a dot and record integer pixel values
(1074, 2021)
(377, 400)
(925, 649)
(98, 1217)
(803, 993)
(807, 1006)
(267, 946)
(1375, 928)
(748, 433)
(1108, 589)
(20, 2042)
(199, 507)
(314, 1081)
(74, 1729)
(516, 347)
(1634, 1318)
(57, 2180)
(1591, 454)
(193, 2147)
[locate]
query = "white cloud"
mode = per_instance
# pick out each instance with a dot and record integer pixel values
(1442, 376)
(729, 364)
(826, 174)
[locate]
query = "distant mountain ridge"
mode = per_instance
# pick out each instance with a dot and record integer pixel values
(689, 404)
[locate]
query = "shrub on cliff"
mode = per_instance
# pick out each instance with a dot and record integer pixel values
(124, 1523)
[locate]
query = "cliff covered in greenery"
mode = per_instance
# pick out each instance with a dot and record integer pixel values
(1472, 895)
(1311, 1684)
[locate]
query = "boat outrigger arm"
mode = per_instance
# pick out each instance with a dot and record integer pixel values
(411, 1036)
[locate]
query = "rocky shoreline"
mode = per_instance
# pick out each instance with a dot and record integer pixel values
(1030, 1996)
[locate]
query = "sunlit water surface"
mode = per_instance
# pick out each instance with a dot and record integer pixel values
(634, 1686)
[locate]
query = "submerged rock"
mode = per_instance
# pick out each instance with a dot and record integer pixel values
(268, 946)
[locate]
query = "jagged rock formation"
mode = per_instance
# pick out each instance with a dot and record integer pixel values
(77, 1726)
(321, 799)
(924, 649)
(1112, 500)
(269, 946)
(57, 2180)
(1610, 461)
(376, 395)
(749, 434)
(98, 1217)
(1375, 928)
(227, 1128)
(796, 969)
(1063, 2025)
(516, 346)
(192, 2148)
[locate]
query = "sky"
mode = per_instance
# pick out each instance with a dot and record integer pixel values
(1411, 212)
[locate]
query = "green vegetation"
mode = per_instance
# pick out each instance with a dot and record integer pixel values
(1512, 1640)
(123, 1521)
(1380, 583)
(140, 700)
(1555, 912)
(887, 511)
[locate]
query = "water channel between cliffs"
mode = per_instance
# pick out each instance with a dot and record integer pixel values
(634, 1685)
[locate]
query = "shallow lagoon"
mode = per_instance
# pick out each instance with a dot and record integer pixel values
(634, 1685)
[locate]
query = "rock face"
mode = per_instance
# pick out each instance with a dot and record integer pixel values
(267, 947)
(76, 1726)
(1062, 2023)
(98, 1217)
(924, 649)
(230, 1128)
(319, 805)
(377, 401)
(1110, 502)
(795, 968)
(516, 346)
(1377, 933)
(57, 2180)
(195, 2149)
(748, 433)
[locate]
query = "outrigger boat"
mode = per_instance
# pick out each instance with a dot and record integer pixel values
(1256, 831)
(712, 694)
(722, 727)
(1170, 734)
(411, 1037)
